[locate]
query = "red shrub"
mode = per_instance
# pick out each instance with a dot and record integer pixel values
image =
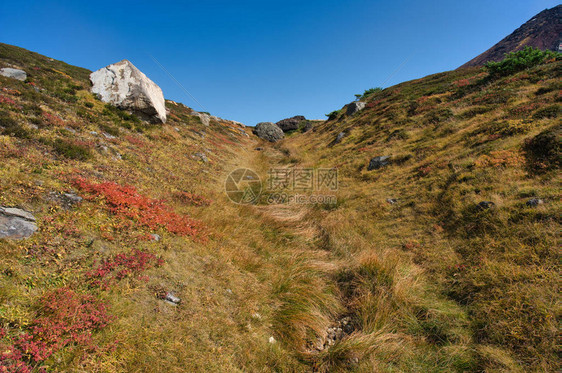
(125, 201)
(461, 83)
(64, 318)
(7, 100)
(121, 266)
(53, 119)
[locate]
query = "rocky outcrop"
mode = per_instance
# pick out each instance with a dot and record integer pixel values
(268, 131)
(291, 124)
(16, 223)
(13, 73)
(204, 117)
(126, 87)
(354, 107)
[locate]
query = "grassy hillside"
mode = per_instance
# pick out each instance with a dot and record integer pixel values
(429, 283)
(460, 286)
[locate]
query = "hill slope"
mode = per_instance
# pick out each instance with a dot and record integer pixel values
(404, 273)
(482, 278)
(543, 31)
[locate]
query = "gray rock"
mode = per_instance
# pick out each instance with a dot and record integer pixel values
(126, 87)
(13, 73)
(73, 198)
(485, 205)
(201, 156)
(172, 299)
(155, 237)
(354, 107)
(392, 201)
(66, 200)
(378, 162)
(243, 132)
(205, 118)
(268, 131)
(290, 124)
(534, 202)
(338, 139)
(16, 223)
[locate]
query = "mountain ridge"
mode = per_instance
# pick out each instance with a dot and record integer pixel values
(543, 31)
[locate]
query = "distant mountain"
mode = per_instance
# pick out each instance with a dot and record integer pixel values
(543, 31)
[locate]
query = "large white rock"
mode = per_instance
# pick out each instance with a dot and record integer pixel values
(123, 85)
(13, 73)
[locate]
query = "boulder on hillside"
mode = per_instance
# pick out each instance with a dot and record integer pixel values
(354, 107)
(338, 139)
(205, 118)
(126, 87)
(16, 223)
(291, 124)
(13, 73)
(378, 162)
(268, 131)
(308, 126)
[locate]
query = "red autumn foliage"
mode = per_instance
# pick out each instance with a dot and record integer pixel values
(126, 201)
(7, 100)
(136, 140)
(461, 83)
(14, 92)
(53, 119)
(121, 266)
(64, 318)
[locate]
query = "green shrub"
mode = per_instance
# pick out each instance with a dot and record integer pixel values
(369, 92)
(70, 150)
(547, 112)
(544, 151)
(333, 115)
(475, 110)
(518, 61)
(438, 115)
(10, 127)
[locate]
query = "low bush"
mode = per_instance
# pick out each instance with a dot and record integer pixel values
(127, 202)
(64, 318)
(518, 61)
(71, 150)
(544, 151)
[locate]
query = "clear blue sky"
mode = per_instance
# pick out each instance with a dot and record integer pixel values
(265, 60)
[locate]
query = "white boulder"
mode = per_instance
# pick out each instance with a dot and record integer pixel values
(13, 73)
(126, 87)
